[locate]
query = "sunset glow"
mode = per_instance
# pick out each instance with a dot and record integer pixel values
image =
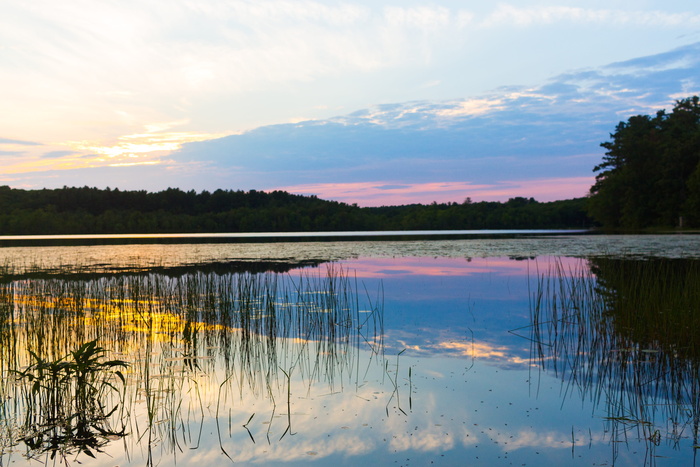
(374, 104)
(388, 193)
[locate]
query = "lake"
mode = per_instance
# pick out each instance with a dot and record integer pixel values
(463, 348)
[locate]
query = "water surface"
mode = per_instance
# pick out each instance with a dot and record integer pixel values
(424, 351)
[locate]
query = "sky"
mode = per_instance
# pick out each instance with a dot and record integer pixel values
(374, 103)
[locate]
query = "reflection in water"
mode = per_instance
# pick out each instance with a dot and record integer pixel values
(67, 403)
(624, 334)
(208, 383)
(202, 348)
(139, 255)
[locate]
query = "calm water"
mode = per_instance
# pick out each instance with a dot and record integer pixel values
(406, 352)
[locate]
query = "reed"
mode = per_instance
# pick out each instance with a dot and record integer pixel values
(242, 333)
(623, 334)
(66, 402)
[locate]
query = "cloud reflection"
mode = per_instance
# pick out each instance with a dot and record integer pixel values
(482, 350)
(437, 266)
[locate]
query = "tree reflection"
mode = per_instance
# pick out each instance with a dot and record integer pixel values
(623, 333)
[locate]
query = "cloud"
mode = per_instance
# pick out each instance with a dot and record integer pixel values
(545, 15)
(83, 70)
(19, 142)
(101, 68)
(415, 142)
(202, 63)
(423, 18)
(57, 154)
(681, 58)
(239, 44)
(539, 141)
(379, 194)
(140, 145)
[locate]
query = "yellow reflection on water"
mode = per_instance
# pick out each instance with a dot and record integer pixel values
(194, 343)
(482, 350)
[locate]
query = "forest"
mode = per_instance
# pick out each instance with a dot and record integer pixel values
(112, 211)
(650, 174)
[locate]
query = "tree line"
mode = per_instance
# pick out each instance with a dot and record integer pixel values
(74, 210)
(650, 174)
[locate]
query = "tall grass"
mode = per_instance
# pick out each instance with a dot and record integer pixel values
(243, 333)
(623, 333)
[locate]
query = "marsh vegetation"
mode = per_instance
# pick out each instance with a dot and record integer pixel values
(176, 343)
(622, 333)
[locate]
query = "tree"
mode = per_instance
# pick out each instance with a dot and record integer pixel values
(644, 179)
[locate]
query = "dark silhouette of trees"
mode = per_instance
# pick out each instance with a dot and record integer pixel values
(91, 210)
(650, 174)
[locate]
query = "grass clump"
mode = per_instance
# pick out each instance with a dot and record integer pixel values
(66, 402)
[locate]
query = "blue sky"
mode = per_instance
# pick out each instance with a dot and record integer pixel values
(369, 102)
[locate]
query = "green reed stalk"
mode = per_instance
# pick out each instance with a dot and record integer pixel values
(253, 329)
(623, 332)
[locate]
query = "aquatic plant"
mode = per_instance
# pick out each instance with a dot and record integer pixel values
(65, 402)
(183, 336)
(622, 333)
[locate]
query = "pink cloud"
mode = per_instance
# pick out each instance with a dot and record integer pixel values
(390, 193)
